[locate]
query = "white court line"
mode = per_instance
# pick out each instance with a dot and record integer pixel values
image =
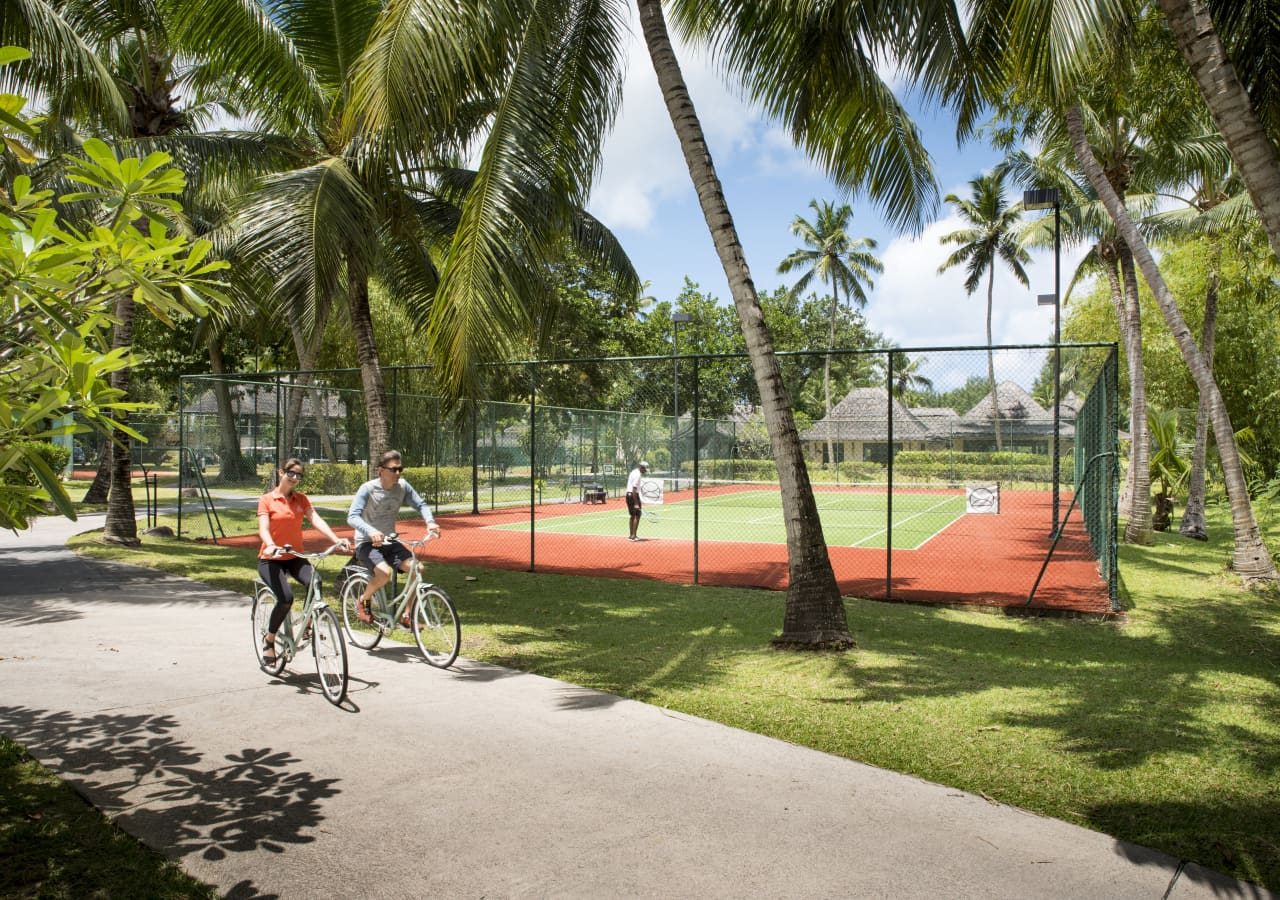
(898, 522)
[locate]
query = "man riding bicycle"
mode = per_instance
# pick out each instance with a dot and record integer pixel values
(373, 515)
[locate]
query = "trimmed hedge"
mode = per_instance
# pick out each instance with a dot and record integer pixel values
(946, 465)
(346, 478)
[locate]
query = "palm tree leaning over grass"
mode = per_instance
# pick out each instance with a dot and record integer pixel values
(1250, 557)
(556, 67)
(1241, 95)
(990, 237)
(1044, 59)
(835, 257)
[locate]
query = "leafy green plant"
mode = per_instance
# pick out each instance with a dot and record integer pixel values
(62, 287)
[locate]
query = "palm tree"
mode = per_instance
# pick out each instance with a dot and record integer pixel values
(908, 374)
(1250, 557)
(1230, 99)
(556, 67)
(345, 212)
(831, 255)
(989, 237)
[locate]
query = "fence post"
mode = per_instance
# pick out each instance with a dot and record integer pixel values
(696, 457)
(888, 527)
(182, 443)
(533, 460)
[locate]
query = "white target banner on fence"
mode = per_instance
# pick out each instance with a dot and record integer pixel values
(982, 499)
(651, 491)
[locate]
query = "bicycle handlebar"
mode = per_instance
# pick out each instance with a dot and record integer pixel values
(394, 538)
(288, 548)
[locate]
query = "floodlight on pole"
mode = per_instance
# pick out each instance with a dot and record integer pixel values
(1049, 198)
(676, 318)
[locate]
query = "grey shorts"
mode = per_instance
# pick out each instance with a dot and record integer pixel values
(391, 554)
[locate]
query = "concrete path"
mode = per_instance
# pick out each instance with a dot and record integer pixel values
(140, 688)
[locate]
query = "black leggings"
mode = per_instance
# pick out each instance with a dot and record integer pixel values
(276, 572)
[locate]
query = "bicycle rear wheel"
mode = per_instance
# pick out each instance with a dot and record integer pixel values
(436, 627)
(263, 602)
(362, 635)
(330, 652)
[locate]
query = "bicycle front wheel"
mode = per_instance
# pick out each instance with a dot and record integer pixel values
(330, 651)
(361, 634)
(263, 602)
(436, 627)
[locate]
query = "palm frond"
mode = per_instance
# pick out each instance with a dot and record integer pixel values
(64, 68)
(536, 167)
(812, 67)
(301, 226)
(272, 74)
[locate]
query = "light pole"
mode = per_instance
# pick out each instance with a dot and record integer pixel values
(676, 318)
(1044, 198)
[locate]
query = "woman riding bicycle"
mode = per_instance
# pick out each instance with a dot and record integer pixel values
(280, 514)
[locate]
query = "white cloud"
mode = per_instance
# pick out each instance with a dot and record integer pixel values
(643, 168)
(913, 305)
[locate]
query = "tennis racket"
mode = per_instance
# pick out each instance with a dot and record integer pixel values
(650, 514)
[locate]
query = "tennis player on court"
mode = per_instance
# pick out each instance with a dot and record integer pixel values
(633, 496)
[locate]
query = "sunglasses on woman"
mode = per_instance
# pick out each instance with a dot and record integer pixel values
(294, 474)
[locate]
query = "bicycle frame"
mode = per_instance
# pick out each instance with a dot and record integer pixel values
(288, 642)
(388, 613)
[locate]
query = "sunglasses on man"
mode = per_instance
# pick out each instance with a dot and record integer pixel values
(395, 469)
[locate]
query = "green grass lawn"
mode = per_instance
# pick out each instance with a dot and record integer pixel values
(1164, 730)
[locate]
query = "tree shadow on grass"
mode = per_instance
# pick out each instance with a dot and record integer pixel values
(1123, 707)
(158, 788)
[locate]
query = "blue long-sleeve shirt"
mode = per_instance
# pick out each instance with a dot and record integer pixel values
(375, 508)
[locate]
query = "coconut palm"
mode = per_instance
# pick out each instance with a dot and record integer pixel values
(830, 254)
(1250, 556)
(1242, 107)
(345, 213)
(989, 238)
(908, 374)
(557, 68)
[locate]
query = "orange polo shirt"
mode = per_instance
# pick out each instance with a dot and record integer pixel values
(284, 520)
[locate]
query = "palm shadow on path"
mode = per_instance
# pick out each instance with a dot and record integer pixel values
(164, 791)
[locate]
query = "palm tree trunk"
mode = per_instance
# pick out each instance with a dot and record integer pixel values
(1193, 520)
(306, 349)
(815, 614)
(1250, 557)
(826, 370)
(375, 394)
(101, 485)
(122, 522)
(233, 467)
(991, 360)
(1137, 529)
(1251, 149)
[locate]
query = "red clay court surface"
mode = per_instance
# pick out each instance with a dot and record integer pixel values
(985, 561)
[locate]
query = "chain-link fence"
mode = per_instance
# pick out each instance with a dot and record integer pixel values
(941, 474)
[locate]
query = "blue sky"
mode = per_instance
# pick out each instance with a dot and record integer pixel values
(644, 195)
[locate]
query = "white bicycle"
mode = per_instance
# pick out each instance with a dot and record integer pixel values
(316, 624)
(422, 608)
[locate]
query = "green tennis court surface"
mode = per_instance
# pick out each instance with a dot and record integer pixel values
(851, 516)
